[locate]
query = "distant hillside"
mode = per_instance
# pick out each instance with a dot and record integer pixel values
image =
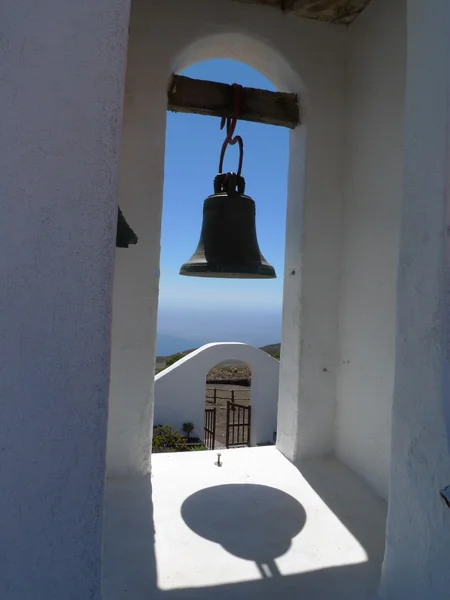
(272, 349)
(225, 374)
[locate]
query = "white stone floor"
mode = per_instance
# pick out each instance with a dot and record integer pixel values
(255, 528)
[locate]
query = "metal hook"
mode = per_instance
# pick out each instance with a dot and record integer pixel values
(230, 123)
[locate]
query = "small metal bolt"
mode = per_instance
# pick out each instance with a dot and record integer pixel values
(218, 463)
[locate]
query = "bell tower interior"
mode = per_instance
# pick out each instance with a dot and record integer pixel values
(318, 390)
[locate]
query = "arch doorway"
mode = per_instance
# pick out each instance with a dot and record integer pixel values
(228, 405)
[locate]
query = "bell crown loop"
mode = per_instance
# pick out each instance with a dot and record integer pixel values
(229, 183)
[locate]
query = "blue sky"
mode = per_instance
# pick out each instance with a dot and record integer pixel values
(193, 146)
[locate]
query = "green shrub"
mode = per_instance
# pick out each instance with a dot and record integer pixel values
(167, 439)
(195, 447)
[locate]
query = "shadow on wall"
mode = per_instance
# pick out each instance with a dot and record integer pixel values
(129, 562)
(336, 583)
(219, 515)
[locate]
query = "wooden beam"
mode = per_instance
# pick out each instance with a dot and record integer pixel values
(200, 97)
(340, 12)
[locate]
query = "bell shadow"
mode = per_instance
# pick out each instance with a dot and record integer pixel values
(253, 522)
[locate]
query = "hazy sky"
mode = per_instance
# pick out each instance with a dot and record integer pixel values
(193, 146)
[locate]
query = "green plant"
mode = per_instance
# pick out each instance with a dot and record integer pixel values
(173, 359)
(167, 439)
(195, 447)
(188, 428)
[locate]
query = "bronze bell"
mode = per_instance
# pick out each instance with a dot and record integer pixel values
(125, 236)
(228, 245)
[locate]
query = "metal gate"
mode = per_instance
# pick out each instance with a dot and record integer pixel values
(210, 428)
(238, 425)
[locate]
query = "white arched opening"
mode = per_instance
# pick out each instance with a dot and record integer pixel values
(309, 336)
(244, 48)
(270, 63)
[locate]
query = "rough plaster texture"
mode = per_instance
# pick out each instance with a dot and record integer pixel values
(58, 206)
(371, 218)
(296, 55)
(417, 543)
(254, 528)
(61, 86)
(180, 389)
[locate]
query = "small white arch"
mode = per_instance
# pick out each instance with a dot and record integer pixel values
(180, 389)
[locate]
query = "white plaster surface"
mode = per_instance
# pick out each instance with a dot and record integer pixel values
(296, 55)
(180, 389)
(61, 86)
(417, 560)
(371, 219)
(254, 528)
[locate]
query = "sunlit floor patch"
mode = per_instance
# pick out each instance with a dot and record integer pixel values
(255, 527)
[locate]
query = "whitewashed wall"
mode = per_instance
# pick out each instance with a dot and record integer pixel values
(180, 389)
(61, 88)
(296, 55)
(371, 219)
(418, 529)
(60, 93)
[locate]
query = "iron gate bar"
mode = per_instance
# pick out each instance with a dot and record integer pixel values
(238, 425)
(210, 428)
